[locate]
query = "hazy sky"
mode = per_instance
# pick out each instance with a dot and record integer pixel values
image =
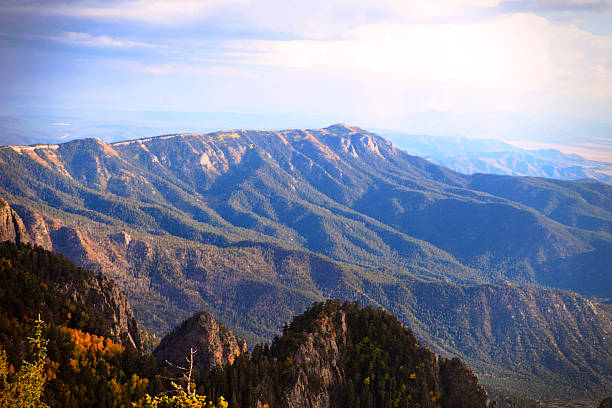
(359, 61)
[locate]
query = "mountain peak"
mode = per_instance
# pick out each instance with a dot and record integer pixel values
(344, 128)
(216, 345)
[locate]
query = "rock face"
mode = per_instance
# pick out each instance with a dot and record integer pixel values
(214, 343)
(11, 226)
(344, 355)
(321, 372)
(99, 292)
(462, 389)
(104, 296)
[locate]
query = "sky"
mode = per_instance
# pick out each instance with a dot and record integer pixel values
(363, 62)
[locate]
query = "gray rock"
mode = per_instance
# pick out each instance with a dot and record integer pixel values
(214, 343)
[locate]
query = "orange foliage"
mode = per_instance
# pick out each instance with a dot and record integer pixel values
(85, 342)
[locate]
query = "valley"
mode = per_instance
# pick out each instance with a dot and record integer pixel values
(254, 227)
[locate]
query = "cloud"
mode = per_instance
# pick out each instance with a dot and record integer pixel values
(435, 54)
(89, 40)
(148, 11)
(309, 19)
(508, 54)
(192, 69)
(61, 124)
(556, 5)
(318, 19)
(313, 19)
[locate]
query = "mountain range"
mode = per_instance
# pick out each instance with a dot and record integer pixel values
(334, 354)
(254, 226)
(470, 156)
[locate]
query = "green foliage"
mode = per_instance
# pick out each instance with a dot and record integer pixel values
(82, 368)
(179, 399)
(24, 388)
(381, 362)
(29, 276)
(395, 216)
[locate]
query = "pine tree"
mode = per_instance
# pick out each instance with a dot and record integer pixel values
(24, 389)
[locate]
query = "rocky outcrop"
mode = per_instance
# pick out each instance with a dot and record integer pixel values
(105, 297)
(214, 343)
(344, 355)
(318, 369)
(462, 388)
(37, 227)
(321, 372)
(99, 292)
(11, 226)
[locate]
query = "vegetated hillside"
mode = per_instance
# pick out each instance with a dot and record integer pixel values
(335, 352)
(27, 268)
(84, 324)
(342, 355)
(339, 191)
(169, 278)
(255, 226)
(552, 344)
(470, 156)
(254, 288)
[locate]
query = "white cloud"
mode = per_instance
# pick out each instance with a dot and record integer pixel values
(509, 54)
(564, 4)
(393, 55)
(149, 11)
(314, 18)
(89, 40)
(328, 19)
(192, 69)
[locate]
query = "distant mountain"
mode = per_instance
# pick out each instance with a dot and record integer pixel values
(255, 226)
(471, 156)
(60, 125)
(340, 191)
(591, 138)
(530, 338)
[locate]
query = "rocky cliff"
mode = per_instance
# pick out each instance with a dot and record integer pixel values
(606, 403)
(101, 294)
(317, 363)
(11, 226)
(214, 344)
(94, 290)
(323, 368)
(343, 355)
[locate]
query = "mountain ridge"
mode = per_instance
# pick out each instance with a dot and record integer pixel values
(338, 183)
(472, 155)
(233, 221)
(242, 295)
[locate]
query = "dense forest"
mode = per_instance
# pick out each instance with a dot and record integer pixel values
(83, 368)
(255, 226)
(351, 356)
(376, 361)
